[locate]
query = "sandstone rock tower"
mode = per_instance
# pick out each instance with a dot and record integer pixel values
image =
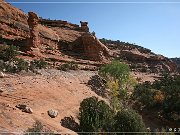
(33, 20)
(84, 26)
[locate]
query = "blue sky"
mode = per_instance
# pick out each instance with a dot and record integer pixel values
(152, 25)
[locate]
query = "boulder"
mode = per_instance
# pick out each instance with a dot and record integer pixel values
(27, 110)
(2, 75)
(84, 26)
(1, 90)
(24, 108)
(53, 113)
(21, 106)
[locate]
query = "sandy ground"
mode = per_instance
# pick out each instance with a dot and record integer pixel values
(51, 89)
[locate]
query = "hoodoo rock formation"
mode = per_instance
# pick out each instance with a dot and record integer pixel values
(41, 37)
(84, 26)
(34, 32)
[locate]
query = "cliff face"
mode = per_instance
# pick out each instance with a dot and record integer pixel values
(14, 28)
(13, 22)
(34, 33)
(37, 35)
(177, 61)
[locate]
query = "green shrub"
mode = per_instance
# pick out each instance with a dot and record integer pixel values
(22, 65)
(97, 116)
(144, 95)
(163, 96)
(94, 115)
(3, 47)
(128, 121)
(9, 66)
(117, 70)
(10, 53)
(2, 65)
(14, 66)
(64, 67)
(68, 66)
(36, 129)
(38, 64)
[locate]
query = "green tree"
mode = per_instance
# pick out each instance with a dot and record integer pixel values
(119, 81)
(128, 120)
(97, 116)
(116, 70)
(144, 94)
(94, 115)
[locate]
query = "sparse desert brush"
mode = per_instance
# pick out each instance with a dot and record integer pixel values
(9, 53)
(139, 79)
(38, 64)
(22, 65)
(50, 48)
(68, 66)
(3, 47)
(36, 129)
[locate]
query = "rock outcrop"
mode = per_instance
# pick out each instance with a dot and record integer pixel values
(93, 48)
(2, 75)
(59, 23)
(141, 59)
(18, 29)
(33, 20)
(42, 36)
(84, 26)
(24, 108)
(177, 61)
(13, 23)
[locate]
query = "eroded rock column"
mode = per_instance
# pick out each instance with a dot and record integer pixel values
(84, 26)
(33, 20)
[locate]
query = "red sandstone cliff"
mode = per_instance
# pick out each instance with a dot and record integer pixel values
(34, 32)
